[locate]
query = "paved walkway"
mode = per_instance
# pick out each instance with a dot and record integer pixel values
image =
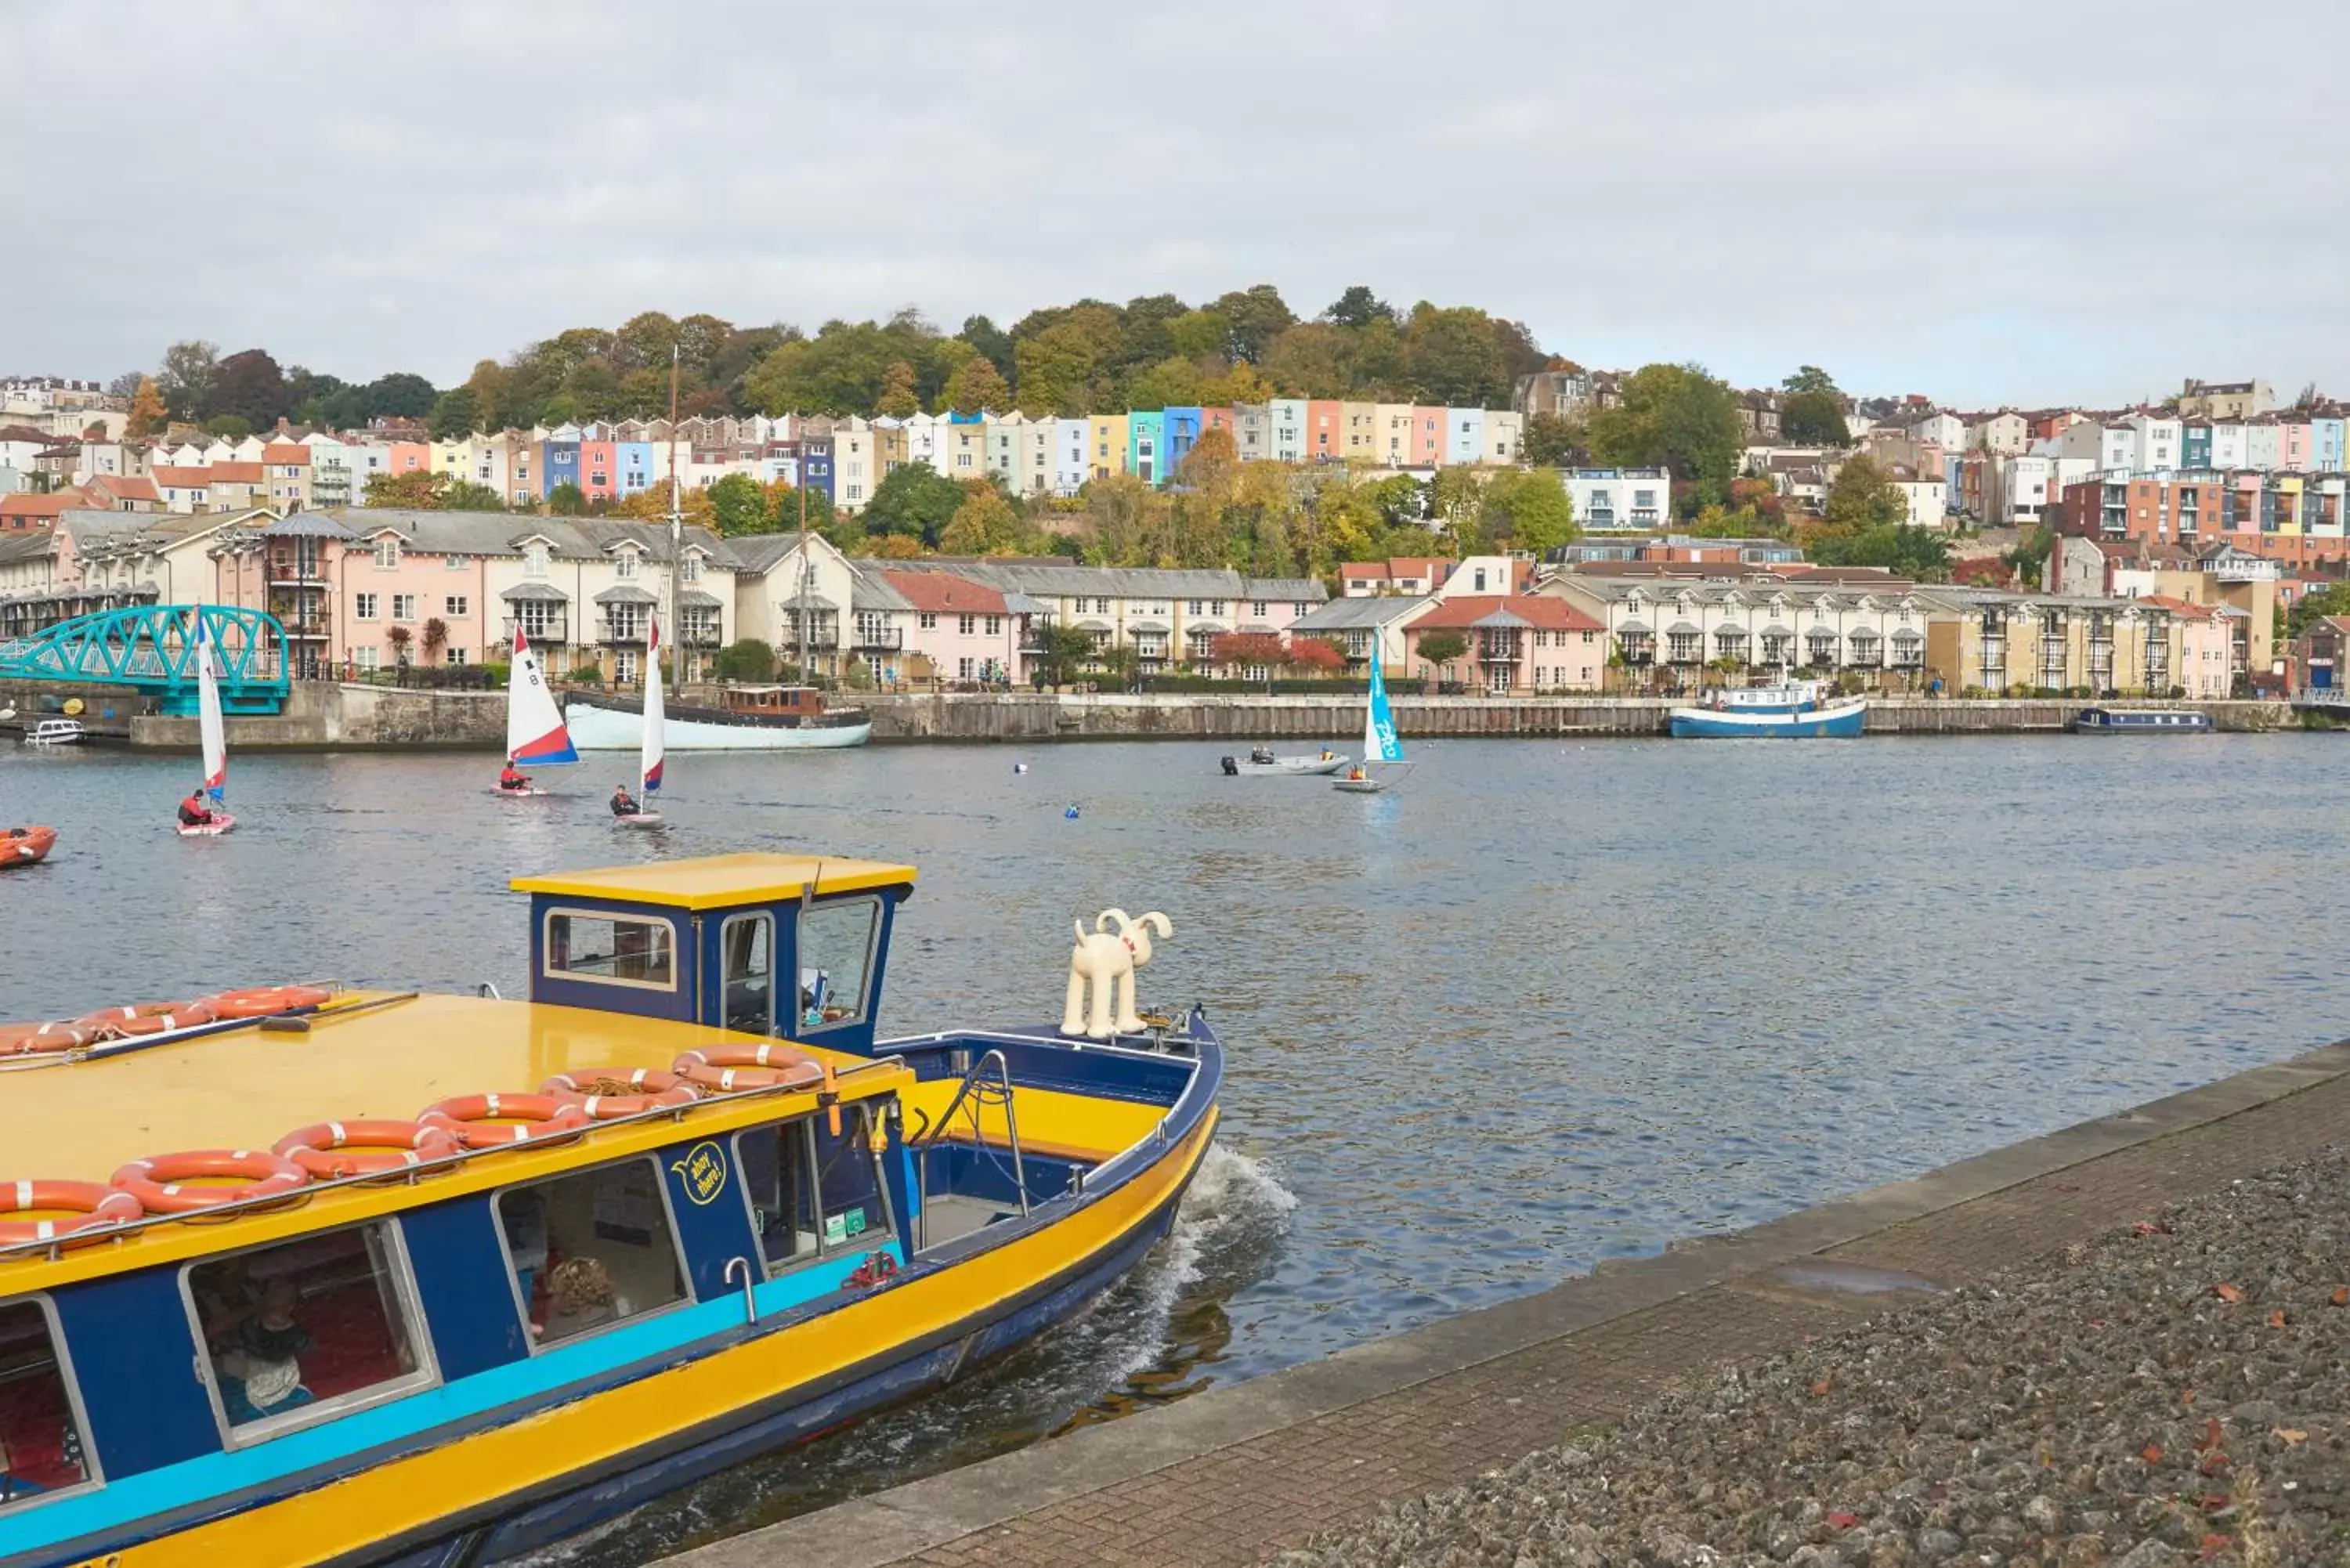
(1238, 1472)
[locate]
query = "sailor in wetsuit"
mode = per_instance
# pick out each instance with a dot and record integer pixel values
(513, 779)
(622, 805)
(194, 811)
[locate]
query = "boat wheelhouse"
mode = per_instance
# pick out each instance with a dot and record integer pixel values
(440, 1279)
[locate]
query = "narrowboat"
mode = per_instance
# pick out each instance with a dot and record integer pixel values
(316, 1275)
(747, 719)
(2140, 722)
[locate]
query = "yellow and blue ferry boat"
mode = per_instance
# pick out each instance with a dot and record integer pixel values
(308, 1277)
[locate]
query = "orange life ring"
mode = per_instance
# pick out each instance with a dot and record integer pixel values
(94, 1206)
(145, 1018)
(265, 1000)
(30, 1039)
(661, 1091)
(482, 1121)
(165, 1183)
(326, 1151)
(727, 1068)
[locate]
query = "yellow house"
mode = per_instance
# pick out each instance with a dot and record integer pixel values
(1108, 448)
(1358, 424)
(1391, 434)
(1987, 642)
(889, 448)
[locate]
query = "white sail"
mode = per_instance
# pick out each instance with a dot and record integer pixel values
(656, 720)
(534, 729)
(209, 723)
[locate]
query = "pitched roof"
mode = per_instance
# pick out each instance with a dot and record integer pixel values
(1541, 611)
(942, 593)
(286, 452)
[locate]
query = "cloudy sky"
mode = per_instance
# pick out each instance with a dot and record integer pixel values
(2082, 201)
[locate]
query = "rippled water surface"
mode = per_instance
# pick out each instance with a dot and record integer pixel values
(1546, 1004)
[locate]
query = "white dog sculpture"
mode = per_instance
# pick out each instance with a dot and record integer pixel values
(1107, 958)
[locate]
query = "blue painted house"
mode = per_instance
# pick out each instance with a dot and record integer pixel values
(633, 466)
(816, 460)
(2194, 445)
(560, 464)
(1182, 434)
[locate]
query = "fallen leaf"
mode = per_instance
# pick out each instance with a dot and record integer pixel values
(2292, 1437)
(2187, 1397)
(2211, 1435)
(2212, 1501)
(2151, 1453)
(2276, 1318)
(2212, 1546)
(2145, 1228)
(2228, 1294)
(1819, 1389)
(2342, 1296)
(2066, 1187)
(1842, 1521)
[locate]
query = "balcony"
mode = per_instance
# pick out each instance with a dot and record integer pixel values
(620, 634)
(549, 630)
(698, 634)
(878, 639)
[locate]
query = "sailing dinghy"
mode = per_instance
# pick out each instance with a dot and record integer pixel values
(1381, 746)
(649, 769)
(213, 730)
(535, 735)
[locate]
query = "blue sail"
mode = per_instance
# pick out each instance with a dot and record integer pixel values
(1381, 743)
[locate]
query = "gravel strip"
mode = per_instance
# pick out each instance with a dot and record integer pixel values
(2172, 1394)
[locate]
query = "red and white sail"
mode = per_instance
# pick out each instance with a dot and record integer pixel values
(535, 733)
(656, 717)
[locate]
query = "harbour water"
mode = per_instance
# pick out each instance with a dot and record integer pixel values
(1543, 1005)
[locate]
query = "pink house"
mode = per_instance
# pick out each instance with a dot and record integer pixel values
(1325, 436)
(600, 468)
(1216, 420)
(409, 456)
(386, 587)
(2293, 445)
(960, 628)
(1426, 437)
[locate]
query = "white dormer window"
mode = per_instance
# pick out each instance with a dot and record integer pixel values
(534, 561)
(689, 570)
(624, 564)
(387, 554)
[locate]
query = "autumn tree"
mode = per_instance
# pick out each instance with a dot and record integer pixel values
(898, 400)
(456, 413)
(977, 388)
(986, 524)
(1246, 649)
(418, 489)
(1864, 496)
(694, 504)
(149, 415)
(1442, 647)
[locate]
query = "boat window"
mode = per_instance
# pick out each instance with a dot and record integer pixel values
(607, 950)
(837, 960)
(44, 1448)
(591, 1248)
(777, 1165)
(305, 1330)
(749, 944)
(851, 1196)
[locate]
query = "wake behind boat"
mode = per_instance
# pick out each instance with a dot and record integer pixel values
(752, 719)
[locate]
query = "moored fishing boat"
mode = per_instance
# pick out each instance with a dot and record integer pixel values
(441, 1280)
(752, 719)
(1801, 711)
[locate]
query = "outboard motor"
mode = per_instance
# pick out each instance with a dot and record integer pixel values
(1231, 766)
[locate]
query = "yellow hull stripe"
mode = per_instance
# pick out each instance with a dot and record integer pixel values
(413, 1494)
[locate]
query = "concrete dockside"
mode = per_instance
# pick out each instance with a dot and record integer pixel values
(1240, 1472)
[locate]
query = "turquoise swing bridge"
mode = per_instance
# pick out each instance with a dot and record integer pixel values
(152, 648)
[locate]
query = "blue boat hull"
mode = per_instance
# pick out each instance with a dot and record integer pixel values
(1691, 723)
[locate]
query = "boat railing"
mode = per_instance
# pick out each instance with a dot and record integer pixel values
(976, 1093)
(412, 1175)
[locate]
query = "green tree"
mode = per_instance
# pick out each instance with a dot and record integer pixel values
(1863, 497)
(737, 504)
(464, 495)
(1529, 508)
(229, 427)
(1811, 379)
(2313, 606)
(1914, 552)
(749, 659)
(1172, 383)
(1676, 416)
(1065, 648)
(1443, 647)
(1359, 307)
(1254, 318)
(186, 376)
(1553, 441)
(990, 341)
(456, 412)
(914, 501)
(1814, 419)
(1056, 368)
(898, 400)
(1454, 359)
(566, 499)
(250, 386)
(418, 489)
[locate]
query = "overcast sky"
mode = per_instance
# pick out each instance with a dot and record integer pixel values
(1990, 202)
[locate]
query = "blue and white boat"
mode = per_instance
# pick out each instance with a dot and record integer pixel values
(1381, 746)
(1772, 712)
(2140, 722)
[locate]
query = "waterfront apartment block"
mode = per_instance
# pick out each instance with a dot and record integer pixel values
(1986, 642)
(1675, 630)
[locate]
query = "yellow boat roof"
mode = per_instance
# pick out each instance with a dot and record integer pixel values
(246, 1088)
(716, 881)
